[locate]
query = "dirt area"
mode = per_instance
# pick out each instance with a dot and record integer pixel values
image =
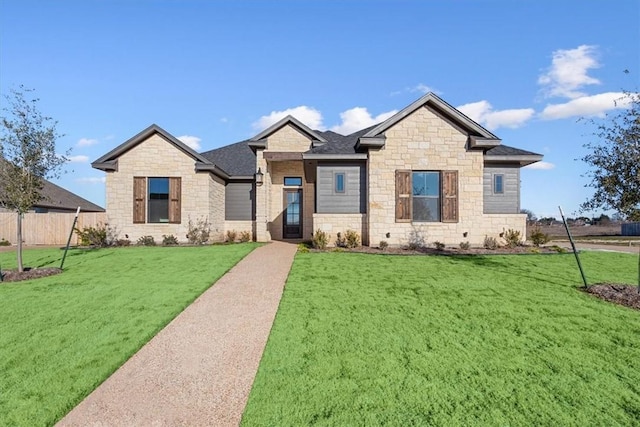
(558, 230)
(28, 273)
(617, 293)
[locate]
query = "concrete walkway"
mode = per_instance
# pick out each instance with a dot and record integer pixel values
(198, 370)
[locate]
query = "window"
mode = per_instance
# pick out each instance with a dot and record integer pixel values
(426, 196)
(156, 200)
(498, 184)
(293, 181)
(338, 182)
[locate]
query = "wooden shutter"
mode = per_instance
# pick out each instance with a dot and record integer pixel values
(449, 196)
(139, 199)
(175, 205)
(403, 196)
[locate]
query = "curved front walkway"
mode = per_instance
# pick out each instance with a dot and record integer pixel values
(199, 369)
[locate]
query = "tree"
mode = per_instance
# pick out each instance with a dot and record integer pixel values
(27, 155)
(614, 161)
(530, 215)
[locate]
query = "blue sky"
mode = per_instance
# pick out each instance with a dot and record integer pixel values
(217, 72)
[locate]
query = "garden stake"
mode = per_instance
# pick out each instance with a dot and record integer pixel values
(573, 245)
(75, 220)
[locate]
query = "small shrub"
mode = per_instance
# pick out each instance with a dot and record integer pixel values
(383, 245)
(438, 245)
(559, 249)
(146, 241)
(353, 239)
(417, 239)
(320, 239)
(245, 236)
(302, 248)
(512, 238)
(538, 237)
(465, 246)
(337, 249)
(231, 236)
(4, 242)
(122, 242)
(198, 233)
(101, 235)
(169, 240)
(490, 243)
(535, 250)
(341, 242)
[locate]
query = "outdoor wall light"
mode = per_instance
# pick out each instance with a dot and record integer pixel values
(465, 234)
(259, 177)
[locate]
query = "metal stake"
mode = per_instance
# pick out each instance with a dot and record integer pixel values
(75, 220)
(573, 246)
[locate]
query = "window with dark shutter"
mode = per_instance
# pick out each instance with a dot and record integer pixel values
(403, 196)
(449, 196)
(175, 207)
(139, 199)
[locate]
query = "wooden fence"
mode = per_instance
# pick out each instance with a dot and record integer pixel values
(631, 229)
(46, 228)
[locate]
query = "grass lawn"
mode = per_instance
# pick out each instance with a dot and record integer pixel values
(414, 340)
(61, 336)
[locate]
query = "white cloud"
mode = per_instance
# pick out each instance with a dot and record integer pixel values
(192, 142)
(419, 88)
(595, 105)
(541, 166)
(483, 113)
(359, 118)
(568, 72)
(307, 115)
(78, 159)
(92, 180)
(86, 142)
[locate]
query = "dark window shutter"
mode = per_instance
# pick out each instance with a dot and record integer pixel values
(175, 206)
(139, 199)
(449, 196)
(403, 196)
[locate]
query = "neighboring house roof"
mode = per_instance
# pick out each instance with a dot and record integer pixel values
(56, 197)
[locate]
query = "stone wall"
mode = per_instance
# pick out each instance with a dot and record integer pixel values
(202, 194)
(288, 139)
(339, 223)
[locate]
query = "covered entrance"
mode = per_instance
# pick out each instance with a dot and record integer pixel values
(292, 214)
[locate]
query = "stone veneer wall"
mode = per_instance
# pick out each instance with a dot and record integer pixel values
(277, 172)
(426, 141)
(202, 193)
(339, 223)
(239, 226)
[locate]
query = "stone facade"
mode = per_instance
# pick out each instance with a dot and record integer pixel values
(202, 194)
(425, 141)
(333, 224)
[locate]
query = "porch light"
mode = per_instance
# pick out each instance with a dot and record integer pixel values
(259, 175)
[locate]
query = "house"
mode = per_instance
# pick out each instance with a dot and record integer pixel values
(427, 169)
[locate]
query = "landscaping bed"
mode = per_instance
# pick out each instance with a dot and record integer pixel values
(617, 293)
(28, 274)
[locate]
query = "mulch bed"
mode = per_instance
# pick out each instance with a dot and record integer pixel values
(394, 250)
(28, 273)
(617, 293)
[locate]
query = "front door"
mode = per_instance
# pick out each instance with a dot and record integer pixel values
(292, 216)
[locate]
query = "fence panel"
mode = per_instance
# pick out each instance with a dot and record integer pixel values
(631, 229)
(46, 228)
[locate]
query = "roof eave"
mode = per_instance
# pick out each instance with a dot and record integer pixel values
(371, 142)
(209, 167)
(480, 142)
(522, 160)
(316, 156)
(107, 166)
(284, 121)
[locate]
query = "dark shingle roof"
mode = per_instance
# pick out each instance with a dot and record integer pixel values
(339, 144)
(236, 159)
(56, 197)
(505, 150)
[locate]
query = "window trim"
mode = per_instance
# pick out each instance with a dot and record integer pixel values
(448, 196)
(495, 182)
(335, 182)
(141, 200)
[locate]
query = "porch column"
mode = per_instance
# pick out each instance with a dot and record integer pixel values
(262, 200)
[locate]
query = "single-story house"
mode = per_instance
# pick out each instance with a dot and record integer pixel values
(428, 169)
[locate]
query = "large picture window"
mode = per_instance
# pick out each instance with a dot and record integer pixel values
(156, 200)
(426, 196)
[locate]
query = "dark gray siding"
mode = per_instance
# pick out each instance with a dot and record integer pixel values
(353, 200)
(239, 201)
(507, 202)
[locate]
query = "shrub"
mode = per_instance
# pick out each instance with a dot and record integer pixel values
(169, 240)
(198, 232)
(4, 242)
(559, 249)
(122, 242)
(465, 246)
(538, 237)
(303, 248)
(534, 250)
(353, 239)
(417, 239)
(320, 239)
(337, 249)
(245, 236)
(490, 243)
(231, 236)
(438, 245)
(101, 235)
(146, 241)
(512, 238)
(341, 242)
(383, 245)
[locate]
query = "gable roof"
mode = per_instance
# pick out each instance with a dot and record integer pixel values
(259, 140)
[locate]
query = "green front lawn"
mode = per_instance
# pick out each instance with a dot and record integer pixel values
(61, 336)
(414, 340)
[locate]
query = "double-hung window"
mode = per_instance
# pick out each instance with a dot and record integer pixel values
(426, 196)
(157, 200)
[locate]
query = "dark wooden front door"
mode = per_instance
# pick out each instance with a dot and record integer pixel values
(292, 215)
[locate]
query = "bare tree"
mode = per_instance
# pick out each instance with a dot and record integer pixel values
(27, 155)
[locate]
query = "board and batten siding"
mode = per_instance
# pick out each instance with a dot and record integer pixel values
(353, 200)
(239, 201)
(507, 202)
